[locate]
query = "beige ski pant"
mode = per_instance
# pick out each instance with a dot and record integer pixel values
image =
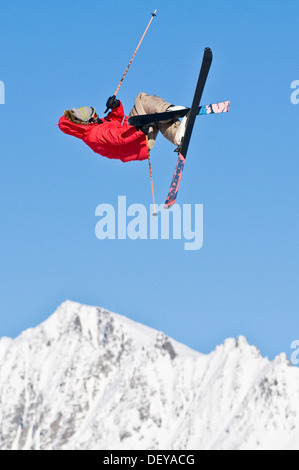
(148, 104)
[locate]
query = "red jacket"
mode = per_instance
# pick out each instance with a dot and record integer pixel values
(112, 138)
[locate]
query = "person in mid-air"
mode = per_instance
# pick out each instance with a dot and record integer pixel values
(112, 136)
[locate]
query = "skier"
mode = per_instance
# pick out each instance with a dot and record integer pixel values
(113, 137)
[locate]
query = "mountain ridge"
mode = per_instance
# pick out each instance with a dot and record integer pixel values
(87, 378)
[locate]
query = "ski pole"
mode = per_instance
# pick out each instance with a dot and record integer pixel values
(153, 15)
(151, 176)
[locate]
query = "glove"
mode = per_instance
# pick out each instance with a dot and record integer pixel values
(112, 103)
(144, 129)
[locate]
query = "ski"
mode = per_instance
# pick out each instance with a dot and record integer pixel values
(222, 107)
(144, 119)
(191, 116)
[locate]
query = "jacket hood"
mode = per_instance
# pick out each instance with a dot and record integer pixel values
(76, 130)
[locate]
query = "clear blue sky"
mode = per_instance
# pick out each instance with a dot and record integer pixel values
(243, 167)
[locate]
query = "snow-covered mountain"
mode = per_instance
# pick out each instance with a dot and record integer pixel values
(90, 379)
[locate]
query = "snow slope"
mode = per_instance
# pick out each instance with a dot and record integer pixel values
(87, 378)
